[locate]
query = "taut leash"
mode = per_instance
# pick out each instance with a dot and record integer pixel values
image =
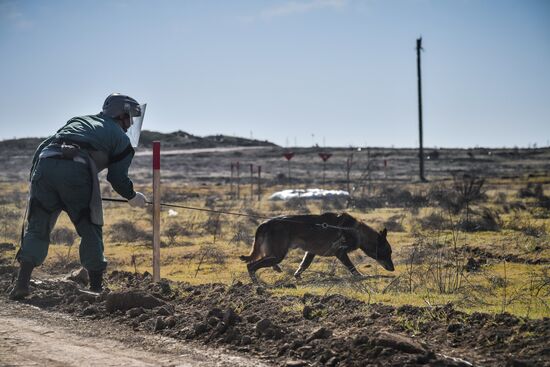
(322, 225)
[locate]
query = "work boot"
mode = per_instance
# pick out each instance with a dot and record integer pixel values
(96, 280)
(21, 289)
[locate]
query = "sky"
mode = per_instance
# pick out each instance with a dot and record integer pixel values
(300, 72)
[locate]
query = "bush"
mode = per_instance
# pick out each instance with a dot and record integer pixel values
(488, 220)
(336, 204)
(9, 222)
(62, 236)
(395, 224)
(531, 191)
(243, 233)
(397, 197)
(209, 253)
(213, 224)
(126, 231)
(524, 225)
(466, 189)
(173, 231)
(297, 204)
(434, 221)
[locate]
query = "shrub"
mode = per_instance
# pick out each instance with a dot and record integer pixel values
(466, 190)
(173, 231)
(532, 190)
(126, 231)
(242, 233)
(213, 224)
(297, 204)
(488, 220)
(395, 223)
(63, 236)
(329, 204)
(433, 221)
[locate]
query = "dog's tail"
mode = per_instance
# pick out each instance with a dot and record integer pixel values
(245, 258)
(257, 240)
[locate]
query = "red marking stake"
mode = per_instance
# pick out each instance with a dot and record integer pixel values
(288, 156)
(324, 156)
(156, 211)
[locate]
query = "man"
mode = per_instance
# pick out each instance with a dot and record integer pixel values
(64, 177)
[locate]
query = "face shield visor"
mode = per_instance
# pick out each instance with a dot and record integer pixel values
(136, 121)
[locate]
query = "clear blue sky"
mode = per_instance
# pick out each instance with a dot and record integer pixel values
(342, 72)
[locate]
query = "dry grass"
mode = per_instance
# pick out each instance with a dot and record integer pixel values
(428, 244)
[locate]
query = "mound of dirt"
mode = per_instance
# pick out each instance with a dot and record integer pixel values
(300, 331)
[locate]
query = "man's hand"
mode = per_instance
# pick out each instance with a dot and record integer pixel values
(138, 201)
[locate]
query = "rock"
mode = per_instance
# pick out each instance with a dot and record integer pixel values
(398, 342)
(307, 312)
(253, 318)
(262, 326)
(170, 322)
(472, 265)
(506, 319)
(164, 286)
(333, 361)
(79, 276)
(260, 291)
(212, 321)
(164, 311)
(159, 324)
(220, 328)
(134, 312)
(320, 333)
(276, 333)
(200, 328)
(361, 339)
(513, 362)
(231, 336)
(216, 312)
(295, 363)
(454, 327)
(90, 310)
(306, 352)
(86, 297)
(143, 317)
(296, 344)
(230, 317)
(130, 299)
(425, 358)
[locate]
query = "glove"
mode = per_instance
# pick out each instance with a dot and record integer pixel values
(139, 200)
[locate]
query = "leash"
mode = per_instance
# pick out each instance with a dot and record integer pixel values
(190, 208)
(322, 225)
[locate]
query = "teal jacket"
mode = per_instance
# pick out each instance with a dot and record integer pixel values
(104, 140)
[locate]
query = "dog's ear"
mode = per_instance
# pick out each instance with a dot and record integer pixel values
(384, 233)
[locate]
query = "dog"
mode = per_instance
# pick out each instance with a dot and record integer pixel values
(328, 234)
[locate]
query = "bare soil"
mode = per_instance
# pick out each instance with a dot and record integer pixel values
(143, 323)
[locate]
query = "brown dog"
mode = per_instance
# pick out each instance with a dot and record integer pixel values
(328, 234)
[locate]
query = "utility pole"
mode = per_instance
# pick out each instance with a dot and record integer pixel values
(421, 150)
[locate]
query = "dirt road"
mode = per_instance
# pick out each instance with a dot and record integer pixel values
(30, 336)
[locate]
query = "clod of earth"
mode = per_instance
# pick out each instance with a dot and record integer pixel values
(130, 299)
(398, 342)
(344, 331)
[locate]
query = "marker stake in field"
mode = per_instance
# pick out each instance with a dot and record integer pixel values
(251, 182)
(156, 211)
(259, 180)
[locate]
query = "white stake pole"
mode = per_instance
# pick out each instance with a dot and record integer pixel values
(156, 211)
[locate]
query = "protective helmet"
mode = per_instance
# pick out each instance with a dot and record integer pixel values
(118, 104)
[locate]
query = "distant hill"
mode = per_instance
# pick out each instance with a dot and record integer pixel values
(181, 139)
(177, 139)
